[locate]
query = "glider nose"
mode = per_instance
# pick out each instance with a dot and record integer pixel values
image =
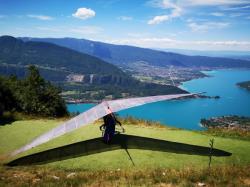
(109, 111)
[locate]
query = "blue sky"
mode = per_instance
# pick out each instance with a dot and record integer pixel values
(183, 24)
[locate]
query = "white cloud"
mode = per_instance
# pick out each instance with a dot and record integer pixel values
(40, 17)
(203, 27)
(217, 14)
(164, 42)
(166, 4)
(84, 13)
(178, 7)
(235, 15)
(87, 30)
(125, 18)
(176, 12)
(158, 19)
(187, 3)
(212, 2)
(142, 42)
(237, 8)
(228, 43)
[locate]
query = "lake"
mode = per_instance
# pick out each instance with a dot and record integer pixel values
(187, 113)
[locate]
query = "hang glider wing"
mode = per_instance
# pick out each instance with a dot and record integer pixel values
(93, 114)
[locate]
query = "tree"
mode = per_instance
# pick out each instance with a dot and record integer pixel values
(54, 104)
(40, 97)
(33, 95)
(7, 100)
(31, 91)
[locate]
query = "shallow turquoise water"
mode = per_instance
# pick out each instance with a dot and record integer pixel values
(187, 113)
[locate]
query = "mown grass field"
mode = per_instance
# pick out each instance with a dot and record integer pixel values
(115, 166)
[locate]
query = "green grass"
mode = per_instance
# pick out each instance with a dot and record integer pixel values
(114, 168)
(42, 176)
(20, 132)
(238, 134)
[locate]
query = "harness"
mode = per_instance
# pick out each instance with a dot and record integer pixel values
(109, 125)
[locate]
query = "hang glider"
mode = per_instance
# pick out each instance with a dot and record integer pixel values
(93, 114)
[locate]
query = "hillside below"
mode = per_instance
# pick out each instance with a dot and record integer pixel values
(149, 165)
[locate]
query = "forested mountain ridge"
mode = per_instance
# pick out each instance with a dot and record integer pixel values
(88, 77)
(53, 57)
(124, 55)
(56, 63)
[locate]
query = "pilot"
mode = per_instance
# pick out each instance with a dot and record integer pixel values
(110, 122)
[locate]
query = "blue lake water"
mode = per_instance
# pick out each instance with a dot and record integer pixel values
(187, 113)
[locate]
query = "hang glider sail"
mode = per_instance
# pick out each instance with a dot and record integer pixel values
(93, 114)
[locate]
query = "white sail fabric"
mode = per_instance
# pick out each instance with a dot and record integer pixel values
(93, 114)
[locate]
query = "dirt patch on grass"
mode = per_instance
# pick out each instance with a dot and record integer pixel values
(42, 176)
(246, 181)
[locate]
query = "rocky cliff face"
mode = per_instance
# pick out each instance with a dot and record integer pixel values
(98, 79)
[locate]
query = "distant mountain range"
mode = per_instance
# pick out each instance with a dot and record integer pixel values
(243, 55)
(123, 55)
(55, 60)
(73, 70)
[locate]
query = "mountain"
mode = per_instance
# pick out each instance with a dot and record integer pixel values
(51, 57)
(243, 55)
(91, 77)
(123, 55)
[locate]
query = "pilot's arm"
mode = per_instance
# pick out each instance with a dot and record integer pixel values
(120, 124)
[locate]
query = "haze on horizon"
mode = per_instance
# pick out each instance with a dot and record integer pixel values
(179, 24)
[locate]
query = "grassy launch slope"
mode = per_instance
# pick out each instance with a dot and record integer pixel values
(20, 132)
(152, 168)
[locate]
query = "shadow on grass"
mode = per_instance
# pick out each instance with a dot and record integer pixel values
(119, 141)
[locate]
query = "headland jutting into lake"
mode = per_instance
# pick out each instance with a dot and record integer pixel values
(187, 113)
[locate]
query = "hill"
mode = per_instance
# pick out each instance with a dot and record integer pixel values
(243, 55)
(151, 167)
(245, 84)
(123, 55)
(89, 78)
(50, 57)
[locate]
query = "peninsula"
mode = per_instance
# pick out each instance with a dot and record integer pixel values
(245, 84)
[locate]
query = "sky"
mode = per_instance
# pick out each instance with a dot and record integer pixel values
(161, 24)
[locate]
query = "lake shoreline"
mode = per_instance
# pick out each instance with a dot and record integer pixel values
(79, 101)
(97, 102)
(186, 113)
